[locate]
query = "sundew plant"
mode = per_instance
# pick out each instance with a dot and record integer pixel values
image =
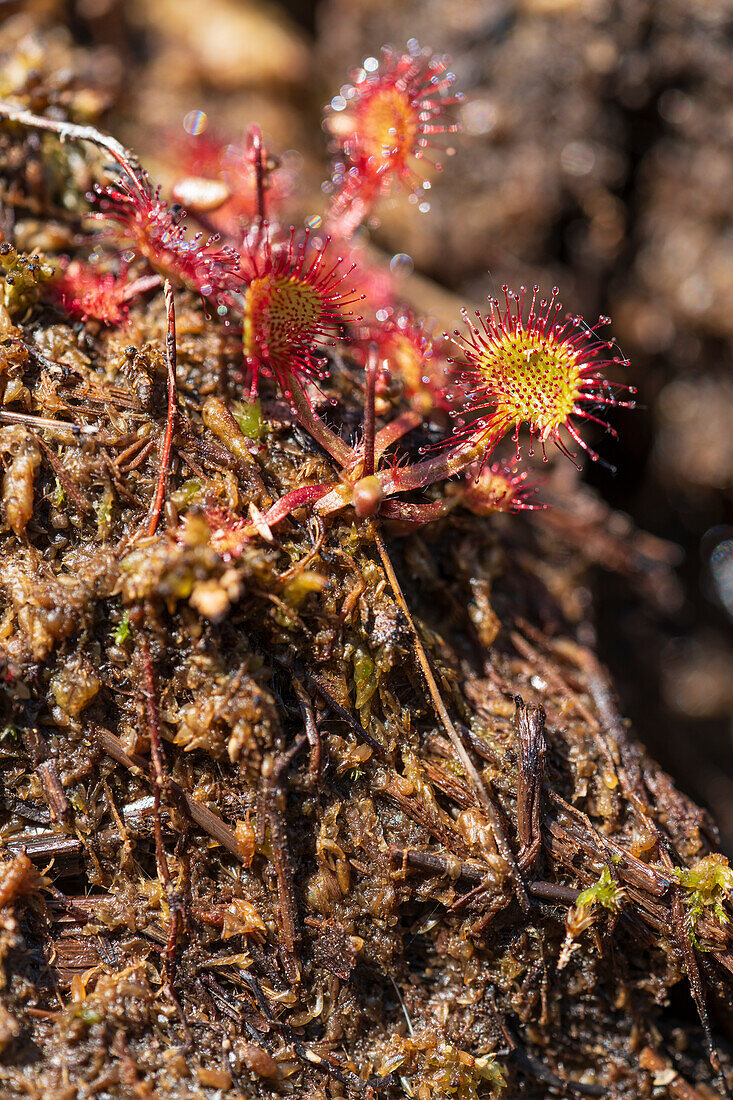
(521, 366)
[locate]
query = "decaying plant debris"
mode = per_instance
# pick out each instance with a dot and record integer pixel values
(240, 855)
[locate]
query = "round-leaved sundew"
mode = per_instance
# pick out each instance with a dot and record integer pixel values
(139, 217)
(297, 296)
(392, 114)
(498, 488)
(528, 367)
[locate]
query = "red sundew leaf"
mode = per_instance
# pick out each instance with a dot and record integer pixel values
(143, 220)
(408, 350)
(86, 292)
(297, 297)
(393, 114)
(536, 371)
(232, 164)
(498, 488)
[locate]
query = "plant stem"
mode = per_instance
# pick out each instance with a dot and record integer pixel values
(295, 499)
(165, 452)
(417, 513)
(445, 464)
(157, 757)
(255, 134)
(369, 411)
(393, 431)
(139, 286)
(487, 805)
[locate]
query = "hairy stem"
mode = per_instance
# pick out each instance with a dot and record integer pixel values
(445, 464)
(417, 514)
(369, 411)
(255, 134)
(295, 499)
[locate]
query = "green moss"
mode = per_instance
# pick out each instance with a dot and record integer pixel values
(605, 893)
(123, 631)
(88, 1015)
(301, 586)
(706, 885)
(365, 680)
(103, 509)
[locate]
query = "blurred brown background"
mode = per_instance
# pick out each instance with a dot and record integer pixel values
(596, 154)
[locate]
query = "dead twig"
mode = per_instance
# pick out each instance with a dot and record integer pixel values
(60, 428)
(178, 917)
(312, 732)
(82, 504)
(351, 722)
(553, 892)
(58, 804)
(436, 864)
(420, 809)
(160, 787)
(205, 818)
(270, 798)
(530, 726)
(684, 942)
(487, 804)
(65, 851)
(65, 130)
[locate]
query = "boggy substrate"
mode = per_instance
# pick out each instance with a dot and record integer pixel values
(239, 854)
